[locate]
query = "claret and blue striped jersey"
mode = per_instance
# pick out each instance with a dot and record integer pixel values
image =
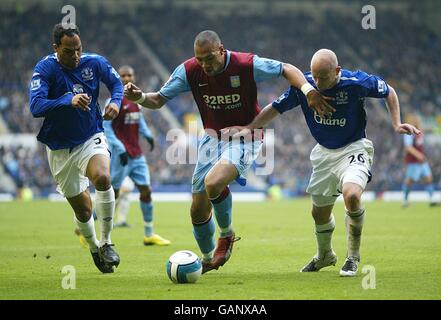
(52, 89)
(348, 123)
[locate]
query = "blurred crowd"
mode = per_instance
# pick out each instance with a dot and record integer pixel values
(409, 62)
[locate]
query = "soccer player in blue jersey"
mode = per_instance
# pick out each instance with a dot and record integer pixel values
(64, 91)
(128, 161)
(224, 88)
(343, 157)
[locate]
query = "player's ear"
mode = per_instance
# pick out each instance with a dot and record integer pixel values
(55, 47)
(337, 70)
(222, 49)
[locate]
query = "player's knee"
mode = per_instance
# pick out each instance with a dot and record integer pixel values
(83, 213)
(427, 179)
(145, 194)
(352, 200)
(101, 181)
(213, 186)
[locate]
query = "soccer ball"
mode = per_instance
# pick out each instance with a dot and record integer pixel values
(184, 267)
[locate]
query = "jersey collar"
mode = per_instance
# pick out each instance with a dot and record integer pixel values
(228, 54)
(338, 77)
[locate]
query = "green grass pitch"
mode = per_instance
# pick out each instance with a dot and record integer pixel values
(404, 247)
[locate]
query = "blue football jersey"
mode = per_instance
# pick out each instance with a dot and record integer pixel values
(51, 91)
(348, 123)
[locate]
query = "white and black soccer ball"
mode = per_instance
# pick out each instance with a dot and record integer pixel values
(184, 267)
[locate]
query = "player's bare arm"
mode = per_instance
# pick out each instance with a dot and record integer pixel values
(150, 100)
(394, 109)
(261, 120)
(315, 100)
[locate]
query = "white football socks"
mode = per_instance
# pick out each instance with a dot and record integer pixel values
(87, 229)
(323, 233)
(354, 225)
(105, 208)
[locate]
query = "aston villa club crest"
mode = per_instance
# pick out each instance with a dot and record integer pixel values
(235, 81)
(87, 74)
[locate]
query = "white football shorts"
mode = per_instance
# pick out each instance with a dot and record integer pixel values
(331, 168)
(68, 166)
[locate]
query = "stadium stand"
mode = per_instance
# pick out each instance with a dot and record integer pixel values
(407, 65)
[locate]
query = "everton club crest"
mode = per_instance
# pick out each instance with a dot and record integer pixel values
(87, 74)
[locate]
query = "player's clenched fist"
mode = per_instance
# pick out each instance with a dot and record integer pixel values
(111, 111)
(132, 92)
(81, 101)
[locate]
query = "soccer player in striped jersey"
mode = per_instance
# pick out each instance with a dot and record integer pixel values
(223, 84)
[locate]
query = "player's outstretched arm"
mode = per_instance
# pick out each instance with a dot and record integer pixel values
(261, 120)
(150, 100)
(264, 117)
(393, 106)
(315, 100)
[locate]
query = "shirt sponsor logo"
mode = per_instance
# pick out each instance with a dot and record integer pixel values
(341, 122)
(132, 118)
(235, 81)
(87, 74)
(227, 102)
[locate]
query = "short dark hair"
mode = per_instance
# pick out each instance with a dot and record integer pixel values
(60, 31)
(207, 36)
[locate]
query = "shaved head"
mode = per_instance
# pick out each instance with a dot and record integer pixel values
(209, 52)
(207, 37)
(324, 59)
(325, 68)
